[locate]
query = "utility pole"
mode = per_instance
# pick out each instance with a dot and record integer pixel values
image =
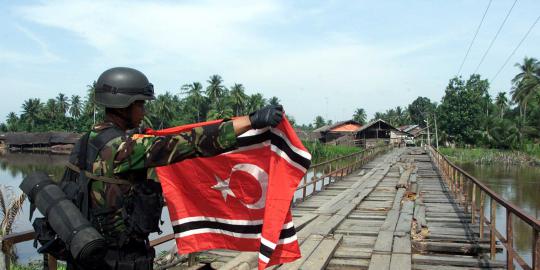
(436, 132)
(428, 137)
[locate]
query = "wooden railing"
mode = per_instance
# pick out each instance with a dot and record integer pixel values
(324, 173)
(472, 195)
(331, 170)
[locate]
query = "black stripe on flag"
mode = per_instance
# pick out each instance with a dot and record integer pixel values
(241, 229)
(278, 142)
(266, 251)
(286, 233)
(203, 224)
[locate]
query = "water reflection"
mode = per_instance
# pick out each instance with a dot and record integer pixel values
(519, 185)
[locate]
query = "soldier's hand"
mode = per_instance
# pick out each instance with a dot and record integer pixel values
(270, 115)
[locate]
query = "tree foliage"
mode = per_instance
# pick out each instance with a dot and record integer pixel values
(193, 103)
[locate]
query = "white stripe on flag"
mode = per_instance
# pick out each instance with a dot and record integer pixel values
(267, 243)
(287, 240)
(263, 258)
(288, 225)
(220, 220)
(253, 132)
(218, 231)
(297, 150)
(286, 158)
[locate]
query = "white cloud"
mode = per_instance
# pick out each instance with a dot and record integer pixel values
(123, 29)
(228, 37)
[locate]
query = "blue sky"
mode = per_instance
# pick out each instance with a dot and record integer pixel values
(319, 57)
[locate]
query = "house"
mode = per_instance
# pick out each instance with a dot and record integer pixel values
(344, 131)
(379, 131)
(21, 140)
(418, 133)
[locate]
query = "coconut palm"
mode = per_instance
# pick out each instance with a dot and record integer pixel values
(164, 108)
(12, 121)
(502, 103)
(76, 106)
(274, 101)
(238, 98)
(31, 109)
(63, 103)
(255, 102)
(220, 110)
(10, 207)
(51, 109)
(526, 84)
(195, 98)
(319, 121)
(360, 116)
(215, 90)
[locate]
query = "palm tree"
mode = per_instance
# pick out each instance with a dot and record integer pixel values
(10, 207)
(274, 101)
(12, 121)
(76, 106)
(220, 110)
(502, 103)
(194, 97)
(238, 98)
(63, 103)
(51, 109)
(255, 102)
(31, 109)
(164, 108)
(360, 116)
(319, 121)
(215, 90)
(526, 84)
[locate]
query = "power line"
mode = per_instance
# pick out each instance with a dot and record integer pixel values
(475, 34)
(515, 49)
(495, 37)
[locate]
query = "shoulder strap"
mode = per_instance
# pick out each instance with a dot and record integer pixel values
(95, 145)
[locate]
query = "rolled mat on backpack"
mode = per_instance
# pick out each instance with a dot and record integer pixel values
(84, 242)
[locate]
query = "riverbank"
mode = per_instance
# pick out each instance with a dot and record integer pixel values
(490, 156)
(321, 152)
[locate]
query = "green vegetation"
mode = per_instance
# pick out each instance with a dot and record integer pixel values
(10, 207)
(468, 116)
(488, 156)
(192, 103)
(321, 152)
(35, 265)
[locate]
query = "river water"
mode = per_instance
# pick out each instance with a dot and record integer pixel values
(519, 185)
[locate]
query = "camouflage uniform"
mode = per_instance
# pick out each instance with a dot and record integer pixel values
(130, 159)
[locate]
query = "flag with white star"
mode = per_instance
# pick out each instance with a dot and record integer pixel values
(239, 200)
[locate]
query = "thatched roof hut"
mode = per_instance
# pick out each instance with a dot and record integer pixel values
(43, 139)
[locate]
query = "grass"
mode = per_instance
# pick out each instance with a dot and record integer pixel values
(321, 152)
(34, 265)
(489, 156)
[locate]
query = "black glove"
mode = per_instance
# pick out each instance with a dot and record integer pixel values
(270, 115)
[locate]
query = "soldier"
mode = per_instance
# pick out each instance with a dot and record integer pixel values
(120, 201)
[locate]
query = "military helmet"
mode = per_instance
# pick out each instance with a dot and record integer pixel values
(120, 86)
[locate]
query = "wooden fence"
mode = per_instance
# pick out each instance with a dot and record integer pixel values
(472, 195)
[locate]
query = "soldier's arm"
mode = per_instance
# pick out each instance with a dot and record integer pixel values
(152, 151)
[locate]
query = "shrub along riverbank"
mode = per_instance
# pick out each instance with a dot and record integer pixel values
(321, 152)
(492, 156)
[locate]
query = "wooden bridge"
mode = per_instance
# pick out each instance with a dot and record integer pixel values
(405, 209)
(384, 208)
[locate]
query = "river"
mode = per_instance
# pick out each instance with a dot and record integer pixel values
(519, 185)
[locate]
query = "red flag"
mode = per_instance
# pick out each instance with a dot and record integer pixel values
(238, 200)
